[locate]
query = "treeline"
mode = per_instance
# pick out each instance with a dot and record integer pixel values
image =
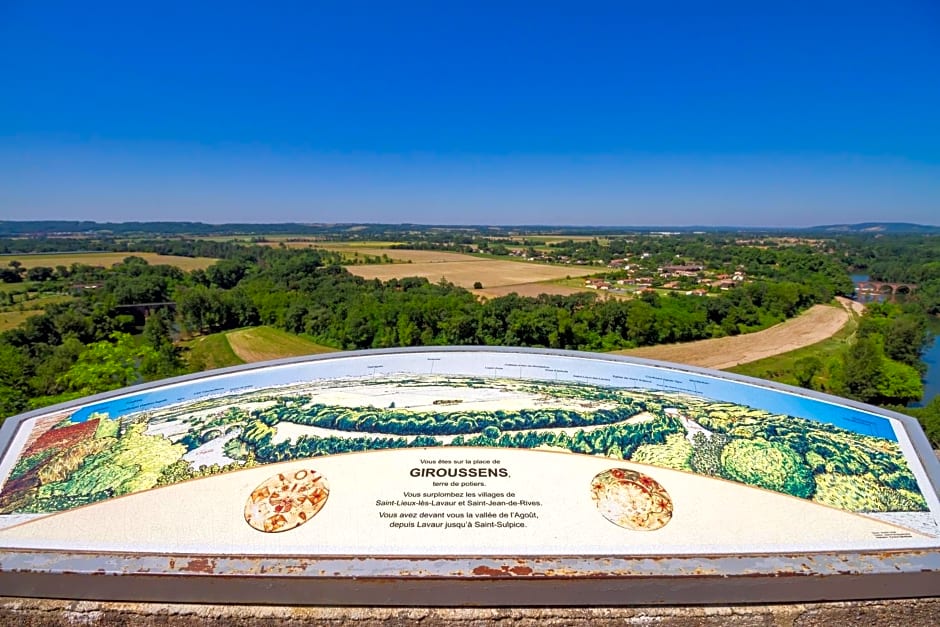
(64, 228)
(348, 312)
(392, 421)
(302, 291)
(618, 440)
(180, 247)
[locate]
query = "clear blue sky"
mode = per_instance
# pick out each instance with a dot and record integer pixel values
(620, 113)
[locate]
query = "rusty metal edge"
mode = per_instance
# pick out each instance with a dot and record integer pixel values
(474, 592)
(484, 581)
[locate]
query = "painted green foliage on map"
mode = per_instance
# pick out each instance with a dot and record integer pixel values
(72, 464)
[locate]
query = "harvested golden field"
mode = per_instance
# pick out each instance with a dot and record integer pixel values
(414, 256)
(814, 325)
(490, 272)
(308, 242)
(529, 289)
(106, 260)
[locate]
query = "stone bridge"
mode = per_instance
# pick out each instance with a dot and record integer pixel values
(884, 287)
(145, 309)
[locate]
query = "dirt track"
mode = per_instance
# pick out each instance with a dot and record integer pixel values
(815, 325)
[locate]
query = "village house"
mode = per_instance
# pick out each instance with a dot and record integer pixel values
(680, 270)
(597, 284)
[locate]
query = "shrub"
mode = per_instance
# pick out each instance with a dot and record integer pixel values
(675, 453)
(768, 465)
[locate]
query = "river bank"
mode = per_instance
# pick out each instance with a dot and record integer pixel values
(932, 359)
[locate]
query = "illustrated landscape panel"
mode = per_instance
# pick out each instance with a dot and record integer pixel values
(802, 447)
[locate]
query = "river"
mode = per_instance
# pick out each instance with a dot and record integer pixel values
(932, 359)
(931, 355)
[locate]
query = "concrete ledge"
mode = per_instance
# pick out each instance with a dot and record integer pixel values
(41, 612)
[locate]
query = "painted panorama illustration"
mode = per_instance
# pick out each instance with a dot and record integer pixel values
(127, 446)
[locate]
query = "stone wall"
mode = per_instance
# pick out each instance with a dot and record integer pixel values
(40, 612)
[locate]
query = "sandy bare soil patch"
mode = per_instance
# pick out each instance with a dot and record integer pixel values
(491, 273)
(815, 325)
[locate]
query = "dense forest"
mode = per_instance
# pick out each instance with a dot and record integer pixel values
(102, 337)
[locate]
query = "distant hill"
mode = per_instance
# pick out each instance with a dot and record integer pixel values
(877, 227)
(76, 228)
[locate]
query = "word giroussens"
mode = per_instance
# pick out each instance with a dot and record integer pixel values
(459, 472)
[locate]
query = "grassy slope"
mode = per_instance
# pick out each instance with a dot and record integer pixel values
(264, 343)
(210, 352)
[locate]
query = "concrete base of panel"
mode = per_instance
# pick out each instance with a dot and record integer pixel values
(40, 612)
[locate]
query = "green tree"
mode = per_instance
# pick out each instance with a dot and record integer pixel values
(863, 364)
(107, 365)
(905, 337)
(40, 273)
(767, 465)
(929, 418)
(14, 373)
(805, 369)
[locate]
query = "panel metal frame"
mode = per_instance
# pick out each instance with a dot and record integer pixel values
(574, 580)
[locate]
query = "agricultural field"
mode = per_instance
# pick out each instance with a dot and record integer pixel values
(12, 319)
(18, 288)
(12, 316)
(498, 275)
(784, 366)
(289, 242)
(404, 255)
(465, 270)
(106, 260)
(529, 290)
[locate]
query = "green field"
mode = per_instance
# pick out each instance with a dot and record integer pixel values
(264, 343)
(11, 316)
(24, 286)
(12, 319)
(232, 348)
(210, 352)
